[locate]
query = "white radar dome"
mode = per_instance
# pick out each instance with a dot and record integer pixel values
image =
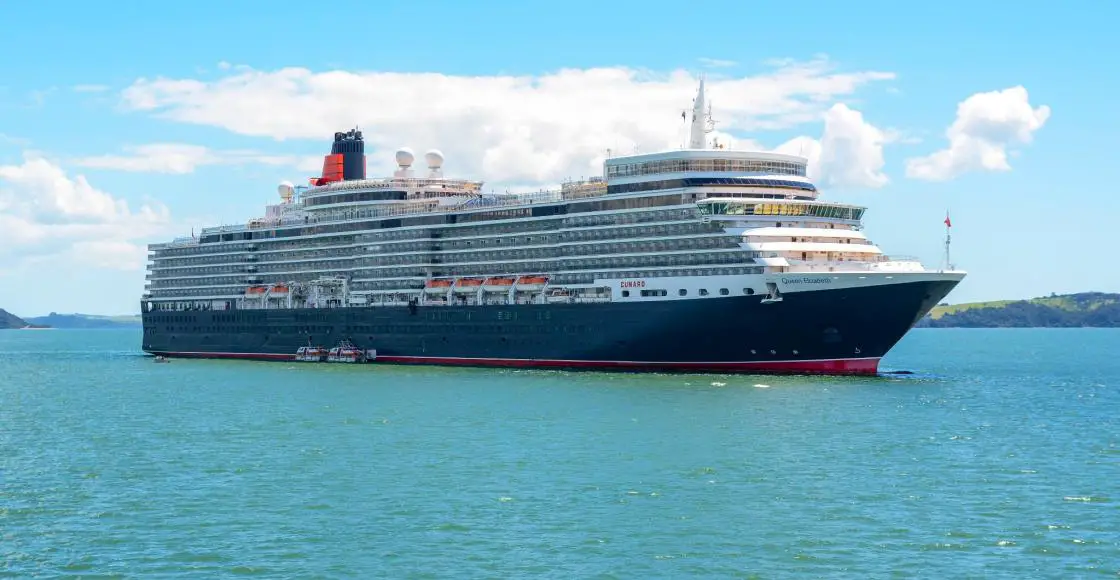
(286, 190)
(434, 158)
(405, 157)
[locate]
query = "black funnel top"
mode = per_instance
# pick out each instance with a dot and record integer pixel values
(353, 151)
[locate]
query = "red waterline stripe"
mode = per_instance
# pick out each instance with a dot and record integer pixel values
(854, 366)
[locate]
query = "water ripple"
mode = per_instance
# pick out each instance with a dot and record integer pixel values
(998, 456)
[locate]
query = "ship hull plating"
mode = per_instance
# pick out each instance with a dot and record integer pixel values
(835, 331)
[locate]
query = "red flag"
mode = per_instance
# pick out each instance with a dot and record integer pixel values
(948, 223)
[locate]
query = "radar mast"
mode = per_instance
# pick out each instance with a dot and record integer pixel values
(702, 122)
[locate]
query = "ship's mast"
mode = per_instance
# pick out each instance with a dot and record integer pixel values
(700, 121)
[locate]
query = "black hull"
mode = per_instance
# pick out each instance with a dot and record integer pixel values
(835, 331)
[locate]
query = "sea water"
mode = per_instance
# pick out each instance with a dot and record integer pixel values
(998, 457)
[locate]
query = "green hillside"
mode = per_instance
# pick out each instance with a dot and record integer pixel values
(9, 320)
(1087, 309)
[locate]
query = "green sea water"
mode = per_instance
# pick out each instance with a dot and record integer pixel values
(998, 457)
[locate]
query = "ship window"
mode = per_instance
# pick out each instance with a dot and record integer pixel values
(625, 293)
(723, 292)
(703, 292)
(682, 292)
(748, 291)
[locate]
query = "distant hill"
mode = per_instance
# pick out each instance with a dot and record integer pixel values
(9, 320)
(57, 320)
(1088, 309)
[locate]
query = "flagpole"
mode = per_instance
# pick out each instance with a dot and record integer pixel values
(948, 240)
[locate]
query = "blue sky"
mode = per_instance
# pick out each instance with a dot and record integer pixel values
(120, 126)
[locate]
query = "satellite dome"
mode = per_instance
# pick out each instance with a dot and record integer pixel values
(434, 158)
(405, 157)
(286, 190)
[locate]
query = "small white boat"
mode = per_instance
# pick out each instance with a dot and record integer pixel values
(346, 352)
(311, 354)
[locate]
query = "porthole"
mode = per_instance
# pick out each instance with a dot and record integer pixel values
(748, 291)
(682, 292)
(724, 292)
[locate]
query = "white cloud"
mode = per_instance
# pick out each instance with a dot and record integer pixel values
(806, 147)
(44, 214)
(179, 158)
(110, 254)
(716, 62)
(986, 125)
(848, 154)
(507, 129)
(851, 150)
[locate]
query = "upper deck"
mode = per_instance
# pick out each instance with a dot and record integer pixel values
(703, 161)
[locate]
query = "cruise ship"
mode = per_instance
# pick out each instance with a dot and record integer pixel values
(700, 259)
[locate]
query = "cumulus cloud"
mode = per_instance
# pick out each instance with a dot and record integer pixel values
(180, 158)
(510, 129)
(45, 213)
(986, 125)
(849, 152)
(810, 149)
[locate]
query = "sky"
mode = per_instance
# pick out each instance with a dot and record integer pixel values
(122, 126)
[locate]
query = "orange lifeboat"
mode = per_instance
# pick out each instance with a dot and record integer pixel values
(256, 290)
(467, 285)
(498, 284)
(437, 286)
(531, 283)
(279, 289)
